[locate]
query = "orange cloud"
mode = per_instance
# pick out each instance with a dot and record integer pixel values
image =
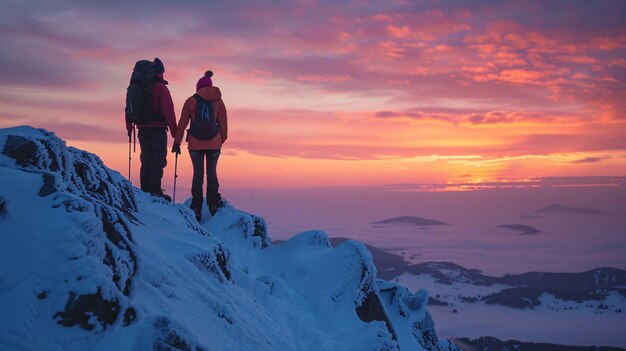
(520, 76)
(399, 32)
(310, 86)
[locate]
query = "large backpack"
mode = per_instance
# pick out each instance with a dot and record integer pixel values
(139, 94)
(204, 126)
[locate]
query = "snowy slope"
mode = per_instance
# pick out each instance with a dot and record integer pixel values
(87, 262)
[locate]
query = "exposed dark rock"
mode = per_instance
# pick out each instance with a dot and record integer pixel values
(225, 317)
(129, 316)
(254, 229)
(406, 304)
(215, 262)
(371, 308)
(22, 150)
(3, 206)
(392, 297)
(260, 230)
(222, 261)
(91, 177)
(424, 332)
(79, 310)
(81, 171)
(75, 205)
(118, 234)
(191, 222)
(52, 156)
(49, 185)
(171, 337)
(113, 233)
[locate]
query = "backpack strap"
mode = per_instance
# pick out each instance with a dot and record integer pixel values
(198, 98)
(139, 82)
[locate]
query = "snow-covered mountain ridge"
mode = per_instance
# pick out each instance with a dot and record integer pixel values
(88, 262)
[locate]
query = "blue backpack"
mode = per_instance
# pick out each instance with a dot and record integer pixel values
(204, 126)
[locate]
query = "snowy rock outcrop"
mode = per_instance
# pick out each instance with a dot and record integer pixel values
(87, 262)
(71, 242)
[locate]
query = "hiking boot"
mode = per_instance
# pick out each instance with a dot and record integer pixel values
(198, 213)
(214, 207)
(161, 194)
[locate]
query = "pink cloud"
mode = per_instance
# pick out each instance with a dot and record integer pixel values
(582, 59)
(504, 66)
(604, 43)
(255, 76)
(391, 49)
(324, 78)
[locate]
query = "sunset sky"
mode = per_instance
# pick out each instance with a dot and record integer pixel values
(324, 93)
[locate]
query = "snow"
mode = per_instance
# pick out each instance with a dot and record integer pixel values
(564, 327)
(552, 322)
(570, 242)
(89, 262)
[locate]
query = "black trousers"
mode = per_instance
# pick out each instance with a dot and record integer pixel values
(197, 159)
(153, 143)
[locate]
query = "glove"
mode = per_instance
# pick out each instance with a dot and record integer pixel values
(176, 148)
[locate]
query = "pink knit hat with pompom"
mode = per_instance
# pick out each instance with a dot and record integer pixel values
(205, 81)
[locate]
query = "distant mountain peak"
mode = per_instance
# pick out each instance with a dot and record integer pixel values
(558, 208)
(412, 220)
(522, 228)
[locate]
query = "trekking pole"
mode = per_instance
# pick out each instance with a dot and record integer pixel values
(129, 158)
(175, 176)
(134, 140)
